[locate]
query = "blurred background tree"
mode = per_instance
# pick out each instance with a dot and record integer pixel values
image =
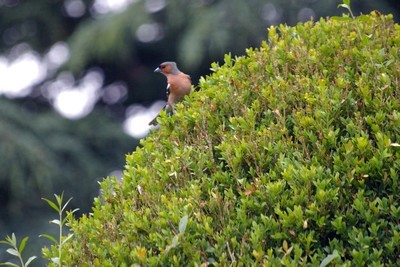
(77, 75)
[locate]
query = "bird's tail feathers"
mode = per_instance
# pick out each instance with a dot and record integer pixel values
(169, 109)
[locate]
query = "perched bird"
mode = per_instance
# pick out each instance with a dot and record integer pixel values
(179, 85)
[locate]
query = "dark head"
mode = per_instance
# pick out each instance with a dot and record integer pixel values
(168, 67)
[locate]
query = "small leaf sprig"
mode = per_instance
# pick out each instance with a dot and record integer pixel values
(16, 251)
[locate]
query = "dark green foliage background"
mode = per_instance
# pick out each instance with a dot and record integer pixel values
(51, 154)
(42, 153)
(193, 33)
(284, 156)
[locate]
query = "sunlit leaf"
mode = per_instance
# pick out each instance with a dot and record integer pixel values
(67, 238)
(13, 240)
(69, 214)
(30, 260)
(55, 221)
(174, 243)
(56, 260)
(9, 264)
(329, 258)
(344, 6)
(66, 204)
(12, 252)
(182, 224)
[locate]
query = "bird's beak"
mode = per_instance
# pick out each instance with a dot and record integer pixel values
(157, 70)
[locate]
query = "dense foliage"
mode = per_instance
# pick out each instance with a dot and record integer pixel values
(286, 156)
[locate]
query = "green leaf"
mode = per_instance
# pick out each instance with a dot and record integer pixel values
(22, 245)
(13, 240)
(51, 238)
(56, 260)
(182, 224)
(69, 214)
(66, 204)
(344, 6)
(12, 252)
(30, 260)
(346, 2)
(174, 243)
(364, 18)
(56, 221)
(52, 204)
(9, 264)
(59, 198)
(67, 238)
(340, 18)
(329, 258)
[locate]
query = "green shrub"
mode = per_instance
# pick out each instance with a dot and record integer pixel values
(286, 156)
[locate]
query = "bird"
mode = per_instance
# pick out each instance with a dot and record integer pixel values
(179, 85)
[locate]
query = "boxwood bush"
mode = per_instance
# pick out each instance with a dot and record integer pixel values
(288, 155)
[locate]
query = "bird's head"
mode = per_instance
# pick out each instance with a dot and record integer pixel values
(168, 67)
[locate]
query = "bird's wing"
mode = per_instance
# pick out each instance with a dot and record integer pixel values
(167, 90)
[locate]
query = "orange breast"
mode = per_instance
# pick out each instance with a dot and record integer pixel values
(180, 86)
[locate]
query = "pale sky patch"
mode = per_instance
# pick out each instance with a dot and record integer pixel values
(107, 6)
(75, 102)
(138, 117)
(18, 75)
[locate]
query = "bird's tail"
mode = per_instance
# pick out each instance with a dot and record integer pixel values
(169, 109)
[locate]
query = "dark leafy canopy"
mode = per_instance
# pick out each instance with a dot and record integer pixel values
(190, 31)
(126, 45)
(40, 23)
(287, 156)
(194, 33)
(43, 153)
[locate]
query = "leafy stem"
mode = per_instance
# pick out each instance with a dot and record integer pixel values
(16, 250)
(346, 5)
(60, 221)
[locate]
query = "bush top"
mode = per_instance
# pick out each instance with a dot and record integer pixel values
(288, 155)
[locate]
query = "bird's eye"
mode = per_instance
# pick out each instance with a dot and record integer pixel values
(163, 67)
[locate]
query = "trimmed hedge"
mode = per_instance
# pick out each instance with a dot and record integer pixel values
(286, 156)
